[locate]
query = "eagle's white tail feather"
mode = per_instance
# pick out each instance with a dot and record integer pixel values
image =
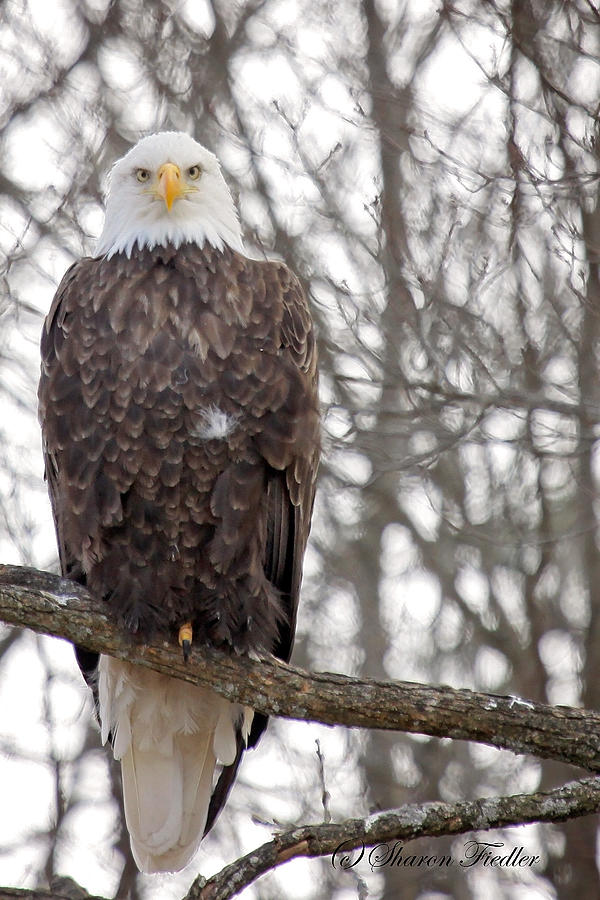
(168, 735)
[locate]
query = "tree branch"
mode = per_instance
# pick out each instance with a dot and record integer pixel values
(53, 605)
(62, 888)
(578, 798)
(409, 822)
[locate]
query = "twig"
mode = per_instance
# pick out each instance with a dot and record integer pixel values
(324, 791)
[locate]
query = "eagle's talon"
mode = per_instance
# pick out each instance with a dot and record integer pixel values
(185, 640)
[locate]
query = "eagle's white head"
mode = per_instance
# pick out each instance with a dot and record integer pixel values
(168, 189)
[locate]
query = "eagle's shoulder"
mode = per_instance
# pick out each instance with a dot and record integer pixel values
(284, 299)
(73, 274)
(82, 283)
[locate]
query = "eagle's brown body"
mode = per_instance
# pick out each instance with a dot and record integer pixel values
(178, 402)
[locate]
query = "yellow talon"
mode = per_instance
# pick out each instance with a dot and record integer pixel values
(185, 639)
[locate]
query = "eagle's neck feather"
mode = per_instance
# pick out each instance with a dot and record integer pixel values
(124, 231)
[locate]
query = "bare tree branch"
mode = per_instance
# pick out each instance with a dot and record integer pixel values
(578, 798)
(418, 820)
(53, 605)
(62, 888)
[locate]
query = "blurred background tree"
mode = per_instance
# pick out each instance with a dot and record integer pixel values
(430, 171)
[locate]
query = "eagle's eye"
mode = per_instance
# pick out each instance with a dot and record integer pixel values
(194, 172)
(142, 175)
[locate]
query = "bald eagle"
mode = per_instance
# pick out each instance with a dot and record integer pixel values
(179, 414)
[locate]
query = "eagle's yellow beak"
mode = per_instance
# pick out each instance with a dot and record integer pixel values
(170, 185)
